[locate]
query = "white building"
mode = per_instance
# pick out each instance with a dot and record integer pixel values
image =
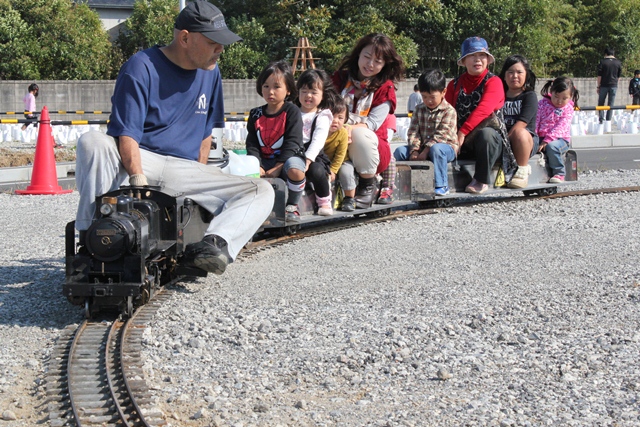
(112, 13)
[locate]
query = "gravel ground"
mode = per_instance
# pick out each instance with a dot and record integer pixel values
(503, 314)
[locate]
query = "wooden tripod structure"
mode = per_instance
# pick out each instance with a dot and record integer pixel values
(303, 54)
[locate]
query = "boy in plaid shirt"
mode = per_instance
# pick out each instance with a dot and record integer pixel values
(433, 133)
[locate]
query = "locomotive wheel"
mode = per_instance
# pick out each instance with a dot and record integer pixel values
(145, 295)
(443, 203)
(87, 309)
(289, 230)
(548, 191)
(427, 204)
(129, 309)
(378, 214)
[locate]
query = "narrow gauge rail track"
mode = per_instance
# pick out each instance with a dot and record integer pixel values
(96, 377)
(95, 373)
(427, 208)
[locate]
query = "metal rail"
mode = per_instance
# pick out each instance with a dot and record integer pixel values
(91, 398)
(104, 374)
(113, 358)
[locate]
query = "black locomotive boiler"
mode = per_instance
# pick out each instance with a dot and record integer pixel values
(132, 248)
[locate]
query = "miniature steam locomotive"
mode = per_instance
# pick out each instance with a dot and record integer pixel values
(132, 248)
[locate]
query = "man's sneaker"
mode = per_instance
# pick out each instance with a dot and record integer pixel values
(386, 196)
(291, 213)
(441, 191)
(556, 179)
(365, 195)
(348, 204)
(520, 178)
(210, 254)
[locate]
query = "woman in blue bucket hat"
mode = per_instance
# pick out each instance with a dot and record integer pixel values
(478, 96)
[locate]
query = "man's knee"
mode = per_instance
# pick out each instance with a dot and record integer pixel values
(265, 189)
(94, 141)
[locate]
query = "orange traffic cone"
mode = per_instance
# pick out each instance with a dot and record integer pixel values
(44, 179)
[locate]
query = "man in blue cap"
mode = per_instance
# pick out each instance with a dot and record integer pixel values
(167, 100)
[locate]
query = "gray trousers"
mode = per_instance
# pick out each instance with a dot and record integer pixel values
(239, 204)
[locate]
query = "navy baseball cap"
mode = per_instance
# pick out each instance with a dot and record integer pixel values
(202, 17)
(473, 45)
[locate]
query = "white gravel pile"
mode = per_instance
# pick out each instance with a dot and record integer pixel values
(503, 314)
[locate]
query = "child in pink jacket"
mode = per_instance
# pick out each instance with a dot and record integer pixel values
(553, 123)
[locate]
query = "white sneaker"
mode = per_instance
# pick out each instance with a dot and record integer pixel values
(324, 205)
(520, 178)
(325, 210)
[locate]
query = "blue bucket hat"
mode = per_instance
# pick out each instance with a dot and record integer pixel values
(473, 45)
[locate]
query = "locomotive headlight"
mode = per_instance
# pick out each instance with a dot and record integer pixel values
(107, 207)
(106, 210)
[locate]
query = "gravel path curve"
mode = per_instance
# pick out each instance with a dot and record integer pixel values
(503, 314)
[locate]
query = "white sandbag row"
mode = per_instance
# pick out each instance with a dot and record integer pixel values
(584, 123)
(627, 121)
(622, 121)
(62, 134)
(402, 127)
(235, 131)
(14, 133)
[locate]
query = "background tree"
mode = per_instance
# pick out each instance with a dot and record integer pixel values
(430, 25)
(53, 40)
(557, 36)
(15, 46)
(606, 23)
(246, 59)
(150, 23)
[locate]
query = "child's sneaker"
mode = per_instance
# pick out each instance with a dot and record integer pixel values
(291, 213)
(348, 204)
(556, 179)
(324, 205)
(325, 210)
(386, 196)
(441, 191)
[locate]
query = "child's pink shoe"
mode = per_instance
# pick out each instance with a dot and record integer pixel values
(324, 205)
(556, 179)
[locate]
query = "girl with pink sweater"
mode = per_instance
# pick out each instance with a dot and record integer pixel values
(553, 123)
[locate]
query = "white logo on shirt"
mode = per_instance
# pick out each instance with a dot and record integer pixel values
(202, 102)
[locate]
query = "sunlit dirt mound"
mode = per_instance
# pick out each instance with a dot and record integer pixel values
(24, 157)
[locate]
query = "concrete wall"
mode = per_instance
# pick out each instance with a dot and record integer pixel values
(240, 95)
